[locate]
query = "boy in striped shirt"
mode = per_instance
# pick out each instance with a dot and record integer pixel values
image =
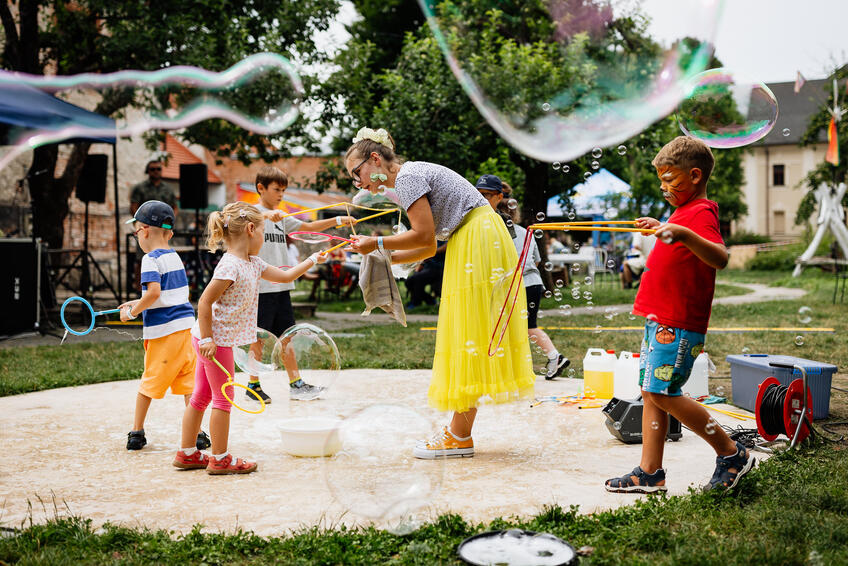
(168, 316)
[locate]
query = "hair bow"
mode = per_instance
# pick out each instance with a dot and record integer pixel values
(380, 136)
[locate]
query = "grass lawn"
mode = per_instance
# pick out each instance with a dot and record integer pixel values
(791, 510)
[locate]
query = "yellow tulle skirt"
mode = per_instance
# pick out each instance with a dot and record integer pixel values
(480, 256)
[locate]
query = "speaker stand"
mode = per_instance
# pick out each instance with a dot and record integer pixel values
(88, 261)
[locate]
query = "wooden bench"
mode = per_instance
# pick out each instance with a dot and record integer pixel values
(304, 310)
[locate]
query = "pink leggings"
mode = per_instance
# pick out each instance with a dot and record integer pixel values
(208, 379)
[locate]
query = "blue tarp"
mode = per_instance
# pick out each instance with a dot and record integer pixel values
(27, 110)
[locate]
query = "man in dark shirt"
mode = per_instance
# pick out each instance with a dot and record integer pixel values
(152, 189)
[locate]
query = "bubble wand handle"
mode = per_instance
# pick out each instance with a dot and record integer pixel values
(337, 246)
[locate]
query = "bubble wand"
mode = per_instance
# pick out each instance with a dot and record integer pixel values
(90, 310)
(232, 383)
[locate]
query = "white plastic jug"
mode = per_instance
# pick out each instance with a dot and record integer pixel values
(598, 370)
(626, 376)
(698, 383)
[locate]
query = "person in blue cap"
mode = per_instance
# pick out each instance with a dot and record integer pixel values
(169, 359)
(498, 193)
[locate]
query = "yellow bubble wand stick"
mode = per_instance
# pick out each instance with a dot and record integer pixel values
(230, 382)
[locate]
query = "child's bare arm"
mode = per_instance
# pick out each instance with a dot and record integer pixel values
(277, 275)
(209, 297)
(320, 225)
(133, 309)
(713, 254)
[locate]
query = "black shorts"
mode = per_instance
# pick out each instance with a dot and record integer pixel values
(534, 297)
(276, 314)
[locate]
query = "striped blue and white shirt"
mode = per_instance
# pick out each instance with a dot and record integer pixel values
(172, 311)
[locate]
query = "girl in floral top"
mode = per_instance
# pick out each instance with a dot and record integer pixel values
(226, 318)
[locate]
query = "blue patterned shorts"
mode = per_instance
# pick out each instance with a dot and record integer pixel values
(666, 358)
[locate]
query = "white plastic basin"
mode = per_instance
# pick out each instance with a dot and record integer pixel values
(310, 436)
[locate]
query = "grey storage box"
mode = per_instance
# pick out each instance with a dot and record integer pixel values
(747, 371)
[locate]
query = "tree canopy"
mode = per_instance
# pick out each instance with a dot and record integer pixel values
(102, 36)
(507, 47)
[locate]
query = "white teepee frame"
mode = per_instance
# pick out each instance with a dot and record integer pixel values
(831, 216)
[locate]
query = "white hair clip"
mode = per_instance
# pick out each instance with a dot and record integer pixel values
(226, 220)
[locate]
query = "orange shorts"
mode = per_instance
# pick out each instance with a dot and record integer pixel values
(168, 362)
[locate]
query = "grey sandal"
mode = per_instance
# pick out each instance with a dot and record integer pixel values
(647, 483)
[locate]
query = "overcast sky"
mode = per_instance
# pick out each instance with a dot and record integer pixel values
(769, 40)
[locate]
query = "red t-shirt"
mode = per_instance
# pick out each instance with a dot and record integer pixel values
(676, 286)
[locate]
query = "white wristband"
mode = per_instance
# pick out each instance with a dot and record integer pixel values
(313, 259)
(203, 341)
(338, 220)
(130, 314)
(380, 243)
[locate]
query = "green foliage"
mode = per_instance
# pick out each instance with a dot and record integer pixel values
(743, 237)
(27, 369)
(506, 47)
(781, 259)
(791, 509)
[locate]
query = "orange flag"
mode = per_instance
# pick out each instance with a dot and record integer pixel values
(832, 155)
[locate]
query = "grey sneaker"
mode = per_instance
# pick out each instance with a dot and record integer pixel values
(555, 366)
(301, 391)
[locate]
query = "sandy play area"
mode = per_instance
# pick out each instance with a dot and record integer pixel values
(70, 444)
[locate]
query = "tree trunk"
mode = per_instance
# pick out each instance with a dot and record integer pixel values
(50, 194)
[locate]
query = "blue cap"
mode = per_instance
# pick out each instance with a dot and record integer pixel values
(154, 213)
(490, 183)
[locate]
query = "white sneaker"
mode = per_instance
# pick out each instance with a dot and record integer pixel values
(445, 445)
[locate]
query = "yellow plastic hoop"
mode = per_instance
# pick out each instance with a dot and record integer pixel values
(245, 387)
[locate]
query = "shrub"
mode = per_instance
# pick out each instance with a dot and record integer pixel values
(743, 237)
(777, 260)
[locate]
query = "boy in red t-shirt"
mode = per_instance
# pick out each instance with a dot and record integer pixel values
(675, 295)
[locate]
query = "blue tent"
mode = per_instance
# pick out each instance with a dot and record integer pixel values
(27, 110)
(589, 199)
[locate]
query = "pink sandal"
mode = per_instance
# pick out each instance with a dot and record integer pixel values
(229, 465)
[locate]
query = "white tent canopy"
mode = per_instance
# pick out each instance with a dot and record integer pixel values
(588, 199)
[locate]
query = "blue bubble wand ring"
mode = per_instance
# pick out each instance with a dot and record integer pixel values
(90, 310)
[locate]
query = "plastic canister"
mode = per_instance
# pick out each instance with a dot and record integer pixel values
(698, 383)
(626, 376)
(598, 370)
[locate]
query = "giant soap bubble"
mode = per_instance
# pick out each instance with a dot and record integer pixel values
(375, 475)
(557, 78)
(257, 358)
(308, 352)
(260, 93)
(723, 112)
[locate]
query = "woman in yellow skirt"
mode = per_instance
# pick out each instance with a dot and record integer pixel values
(442, 205)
